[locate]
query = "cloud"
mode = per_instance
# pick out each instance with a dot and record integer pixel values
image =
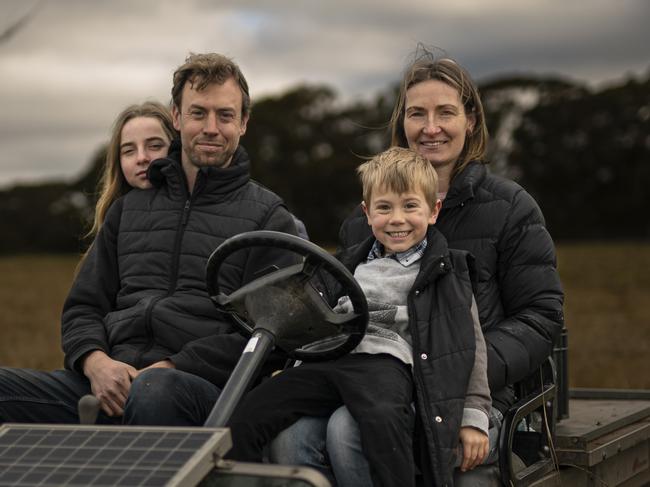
(75, 64)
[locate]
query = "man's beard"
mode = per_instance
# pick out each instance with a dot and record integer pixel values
(199, 159)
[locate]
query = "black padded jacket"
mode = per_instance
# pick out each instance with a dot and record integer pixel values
(519, 295)
(140, 295)
(442, 329)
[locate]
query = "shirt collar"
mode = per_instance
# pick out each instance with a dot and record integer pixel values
(405, 258)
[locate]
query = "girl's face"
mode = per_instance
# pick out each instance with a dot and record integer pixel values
(142, 141)
(435, 123)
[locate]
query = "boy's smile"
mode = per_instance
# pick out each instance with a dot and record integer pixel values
(399, 221)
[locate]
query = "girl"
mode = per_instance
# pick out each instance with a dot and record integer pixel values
(141, 134)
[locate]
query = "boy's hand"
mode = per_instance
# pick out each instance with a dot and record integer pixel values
(475, 447)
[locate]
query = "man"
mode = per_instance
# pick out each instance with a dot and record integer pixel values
(138, 328)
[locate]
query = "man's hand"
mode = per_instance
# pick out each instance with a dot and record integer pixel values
(110, 381)
(475, 447)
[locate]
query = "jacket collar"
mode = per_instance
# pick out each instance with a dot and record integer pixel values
(464, 185)
(434, 263)
(213, 180)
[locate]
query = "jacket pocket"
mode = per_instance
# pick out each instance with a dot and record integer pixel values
(126, 325)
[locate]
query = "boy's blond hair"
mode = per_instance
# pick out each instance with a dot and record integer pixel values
(399, 170)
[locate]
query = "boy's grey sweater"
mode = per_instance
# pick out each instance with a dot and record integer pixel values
(386, 284)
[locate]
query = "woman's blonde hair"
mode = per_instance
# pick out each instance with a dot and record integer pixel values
(113, 184)
(427, 66)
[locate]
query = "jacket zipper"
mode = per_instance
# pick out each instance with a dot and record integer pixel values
(147, 323)
(185, 215)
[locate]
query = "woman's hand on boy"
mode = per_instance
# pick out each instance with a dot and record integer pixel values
(475, 447)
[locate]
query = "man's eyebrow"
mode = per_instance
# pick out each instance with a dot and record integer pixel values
(194, 106)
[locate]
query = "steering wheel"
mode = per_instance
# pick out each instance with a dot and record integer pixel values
(286, 303)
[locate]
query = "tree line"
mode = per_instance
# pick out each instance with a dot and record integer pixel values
(583, 154)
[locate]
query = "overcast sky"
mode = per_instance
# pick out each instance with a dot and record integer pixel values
(70, 66)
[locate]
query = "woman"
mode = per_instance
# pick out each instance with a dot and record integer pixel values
(141, 134)
(439, 114)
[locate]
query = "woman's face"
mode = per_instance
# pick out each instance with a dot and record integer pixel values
(142, 141)
(435, 123)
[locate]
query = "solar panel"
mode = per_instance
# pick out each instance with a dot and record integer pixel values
(55, 455)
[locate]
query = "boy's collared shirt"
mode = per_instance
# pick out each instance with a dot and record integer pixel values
(405, 258)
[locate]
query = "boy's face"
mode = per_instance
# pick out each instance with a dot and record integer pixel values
(399, 221)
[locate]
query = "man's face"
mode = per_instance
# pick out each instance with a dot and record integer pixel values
(210, 124)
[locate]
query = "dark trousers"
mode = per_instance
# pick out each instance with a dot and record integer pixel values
(157, 397)
(377, 389)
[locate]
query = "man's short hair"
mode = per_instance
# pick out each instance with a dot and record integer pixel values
(201, 70)
(400, 170)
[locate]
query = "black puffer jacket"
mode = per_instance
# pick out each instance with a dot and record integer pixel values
(442, 328)
(519, 294)
(140, 295)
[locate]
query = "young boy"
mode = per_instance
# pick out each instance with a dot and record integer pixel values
(423, 344)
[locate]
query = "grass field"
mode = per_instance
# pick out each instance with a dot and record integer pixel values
(607, 311)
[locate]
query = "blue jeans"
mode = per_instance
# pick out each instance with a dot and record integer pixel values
(330, 445)
(157, 397)
(333, 447)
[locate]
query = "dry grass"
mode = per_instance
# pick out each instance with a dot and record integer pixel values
(607, 311)
(32, 291)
